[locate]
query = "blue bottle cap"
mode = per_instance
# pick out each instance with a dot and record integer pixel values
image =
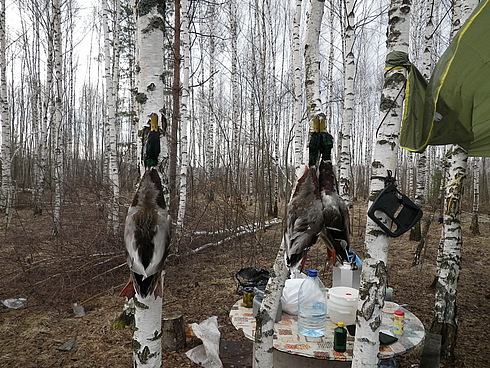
(312, 273)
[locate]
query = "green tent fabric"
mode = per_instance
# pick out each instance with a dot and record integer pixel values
(456, 102)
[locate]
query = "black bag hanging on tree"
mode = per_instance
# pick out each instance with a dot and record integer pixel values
(403, 213)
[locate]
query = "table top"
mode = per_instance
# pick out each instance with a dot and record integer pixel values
(289, 340)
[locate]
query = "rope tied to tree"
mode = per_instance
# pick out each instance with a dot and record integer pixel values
(388, 179)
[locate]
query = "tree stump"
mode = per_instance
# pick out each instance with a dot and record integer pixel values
(173, 332)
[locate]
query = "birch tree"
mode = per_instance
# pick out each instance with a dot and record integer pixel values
(263, 347)
(475, 228)
(58, 117)
(176, 91)
(6, 193)
(149, 100)
(298, 90)
(349, 100)
(445, 321)
(312, 62)
(111, 77)
(185, 117)
(39, 125)
(235, 93)
(420, 188)
(374, 271)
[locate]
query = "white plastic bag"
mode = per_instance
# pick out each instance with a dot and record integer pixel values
(289, 298)
(207, 354)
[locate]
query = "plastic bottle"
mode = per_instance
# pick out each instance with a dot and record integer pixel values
(340, 338)
(16, 303)
(312, 306)
(398, 322)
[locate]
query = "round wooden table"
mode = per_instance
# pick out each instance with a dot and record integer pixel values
(287, 339)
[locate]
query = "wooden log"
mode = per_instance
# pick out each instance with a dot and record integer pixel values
(173, 332)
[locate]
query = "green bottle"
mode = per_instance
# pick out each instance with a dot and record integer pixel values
(340, 338)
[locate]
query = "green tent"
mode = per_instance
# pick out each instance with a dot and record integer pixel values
(455, 105)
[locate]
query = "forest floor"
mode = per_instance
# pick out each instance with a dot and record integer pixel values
(82, 266)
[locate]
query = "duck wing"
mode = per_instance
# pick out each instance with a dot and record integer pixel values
(335, 230)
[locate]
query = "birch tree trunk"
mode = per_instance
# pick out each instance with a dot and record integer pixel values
(331, 61)
(445, 320)
(374, 271)
(312, 61)
(39, 128)
(235, 92)
(421, 177)
(264, 333)
(210, 130)
(176, 91)
(348, 116)
(474, 227)
(147, 350)
(58, 118)
(185, 118)
(6, 155)
(111, 75)
(47, 110)
(298, 89)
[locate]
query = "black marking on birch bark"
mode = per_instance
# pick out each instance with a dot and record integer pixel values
(144, 7)
(372, 301)
(376, 232)
(156, 335)
(141, 98)
(140, 305)
(136, 345)
(145, 355)
(154, 23)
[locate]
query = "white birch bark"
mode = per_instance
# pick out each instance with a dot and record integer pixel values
(312, 61)
(374, 271)
(47, 110)
(210, 131)
(36, 111)
(264, 333)
(58, 118)
(476, 184)
(147, 333)
(331, 61)
(430, 8)
(235, 114)
(185, 117)
(298, 89)
(111, 76)
(147, 350)
(263, 347)
(445, 320)
(349, 100)
(6, 156)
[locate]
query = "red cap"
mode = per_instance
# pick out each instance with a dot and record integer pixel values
(400, 313)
